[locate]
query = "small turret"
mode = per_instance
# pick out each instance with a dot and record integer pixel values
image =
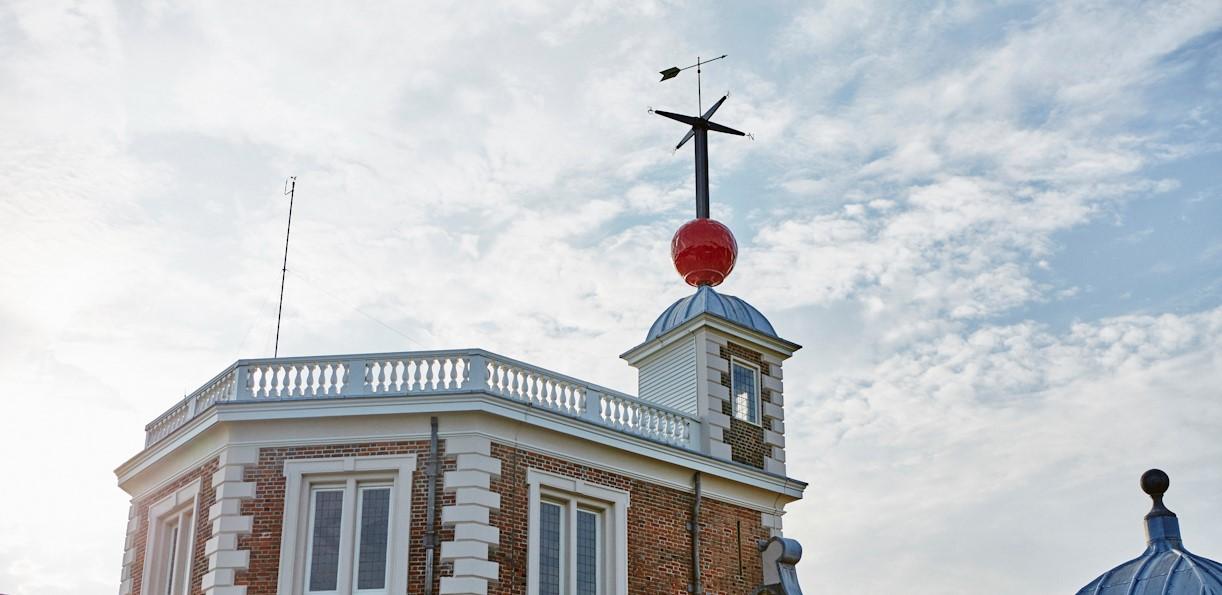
(1165, 568)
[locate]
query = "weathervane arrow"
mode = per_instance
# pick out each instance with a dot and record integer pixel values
(700, 130)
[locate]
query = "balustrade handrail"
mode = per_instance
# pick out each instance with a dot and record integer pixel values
(424, 378)
(194, 394)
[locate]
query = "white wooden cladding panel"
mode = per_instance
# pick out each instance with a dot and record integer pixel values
(670, 379)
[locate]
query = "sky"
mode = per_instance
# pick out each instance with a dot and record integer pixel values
(994, 226)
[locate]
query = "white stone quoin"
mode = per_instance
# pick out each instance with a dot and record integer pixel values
(474, 501)
(224, 557)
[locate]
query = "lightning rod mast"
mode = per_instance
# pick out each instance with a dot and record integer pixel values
(290, 190)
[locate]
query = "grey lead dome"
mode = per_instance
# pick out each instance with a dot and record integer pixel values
(1165, 568)
(707, 301)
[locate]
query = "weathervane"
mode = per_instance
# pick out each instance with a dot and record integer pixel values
(703, 250)
(700, 130)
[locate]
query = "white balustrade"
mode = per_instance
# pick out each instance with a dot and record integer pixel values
(433, 373)
(631, 415)
(275, 380)
(534, 386)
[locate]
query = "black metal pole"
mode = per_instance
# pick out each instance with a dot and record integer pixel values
(430, 531)
(284, 269)
(697, 588)
(702, 173)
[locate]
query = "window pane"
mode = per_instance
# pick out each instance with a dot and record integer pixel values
(549, 549)
(324, 544)
(587, 553)
(744, 393)
(169, 570)
(375, 516)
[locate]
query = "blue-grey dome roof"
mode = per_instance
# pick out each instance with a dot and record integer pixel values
(705, 300)
(1165, 568)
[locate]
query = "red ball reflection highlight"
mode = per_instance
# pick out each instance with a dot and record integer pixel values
(704, 252)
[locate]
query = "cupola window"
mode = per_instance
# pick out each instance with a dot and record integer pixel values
(744, 389)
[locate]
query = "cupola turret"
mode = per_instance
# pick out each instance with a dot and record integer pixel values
(713, 356)
(1165, 568)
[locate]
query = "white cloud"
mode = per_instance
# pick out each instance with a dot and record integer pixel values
(488, 176)
(970, 449)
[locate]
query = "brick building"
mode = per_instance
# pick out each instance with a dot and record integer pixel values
(315, 475)
(468, 472)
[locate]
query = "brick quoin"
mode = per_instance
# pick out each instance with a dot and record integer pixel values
(659, 543)
(203, 527)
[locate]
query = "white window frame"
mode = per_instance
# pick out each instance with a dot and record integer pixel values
(180, 509)
(759, 405)
(612, 504)
(302, 476)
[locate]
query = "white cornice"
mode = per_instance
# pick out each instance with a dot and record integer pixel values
(779, 347)
(224, 414)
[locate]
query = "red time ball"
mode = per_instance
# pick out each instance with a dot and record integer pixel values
(704, 252)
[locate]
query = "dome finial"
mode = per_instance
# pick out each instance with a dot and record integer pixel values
(1155, 483)
(1165, 568)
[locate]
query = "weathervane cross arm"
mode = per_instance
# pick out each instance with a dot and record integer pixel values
(692, 121)
(715, 127)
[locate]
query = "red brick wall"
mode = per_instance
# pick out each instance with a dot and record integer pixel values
(659, 546)
(203, 528)
(659, 543)
(268, 509)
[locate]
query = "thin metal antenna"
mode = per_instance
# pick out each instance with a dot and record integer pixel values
(699, 99)
(290, 188)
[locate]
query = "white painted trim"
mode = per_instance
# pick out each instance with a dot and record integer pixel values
(759, 408)
(615, 504)
(178, 502)
(455, 403)
(737, 481)
(474, 501)
(224, 557)
(129, 551)
(299, 474)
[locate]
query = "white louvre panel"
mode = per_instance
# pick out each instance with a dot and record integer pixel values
(670, 379)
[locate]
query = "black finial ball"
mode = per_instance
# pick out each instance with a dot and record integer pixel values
(1155, 483)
